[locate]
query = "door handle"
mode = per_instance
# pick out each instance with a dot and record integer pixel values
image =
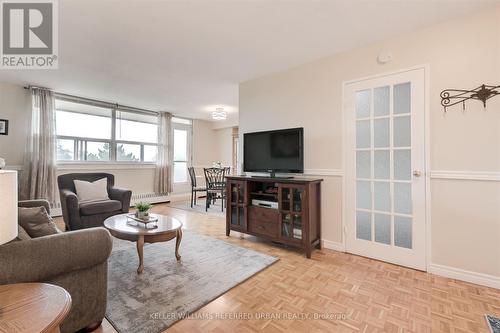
(417, 173)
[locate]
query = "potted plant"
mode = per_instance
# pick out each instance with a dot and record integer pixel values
(142, 210)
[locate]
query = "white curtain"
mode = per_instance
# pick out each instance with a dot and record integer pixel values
(165, 156)
(39, 173)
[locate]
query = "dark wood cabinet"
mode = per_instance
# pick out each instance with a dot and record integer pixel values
(282, 210)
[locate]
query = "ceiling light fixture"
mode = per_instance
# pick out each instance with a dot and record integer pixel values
(219, 114)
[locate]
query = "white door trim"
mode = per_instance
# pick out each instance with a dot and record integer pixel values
(426, 171)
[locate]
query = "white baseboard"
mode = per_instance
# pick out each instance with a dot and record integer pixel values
(331, 245)
(179, 197)
(464, 275)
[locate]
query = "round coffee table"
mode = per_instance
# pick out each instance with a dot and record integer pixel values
(122, 227)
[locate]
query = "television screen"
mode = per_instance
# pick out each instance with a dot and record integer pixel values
(274, 151)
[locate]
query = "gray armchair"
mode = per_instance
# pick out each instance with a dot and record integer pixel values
(91, 214)
(76, 261)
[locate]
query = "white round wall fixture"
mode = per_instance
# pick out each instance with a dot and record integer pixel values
(384, 56)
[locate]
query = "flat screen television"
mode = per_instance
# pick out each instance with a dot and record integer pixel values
(274, 151)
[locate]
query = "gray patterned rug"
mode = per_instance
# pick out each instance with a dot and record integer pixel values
(169, 290)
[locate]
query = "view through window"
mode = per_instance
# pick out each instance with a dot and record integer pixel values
(97, 134)
(182, 148)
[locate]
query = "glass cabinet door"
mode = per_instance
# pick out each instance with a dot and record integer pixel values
(297, 199)
(286, 225)
(285, 199)
(236, 206)
(297, 226)
(291, 205)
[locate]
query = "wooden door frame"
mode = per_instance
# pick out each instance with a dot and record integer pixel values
(426, 171)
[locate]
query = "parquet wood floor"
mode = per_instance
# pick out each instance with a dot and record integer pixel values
(356, 294)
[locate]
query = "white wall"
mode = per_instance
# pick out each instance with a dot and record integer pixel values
(15, 106)
(462, 53)
(224, 145)
(204, 148)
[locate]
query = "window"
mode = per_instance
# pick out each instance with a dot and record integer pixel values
(182, 148)
(98, 134)
(136, 137)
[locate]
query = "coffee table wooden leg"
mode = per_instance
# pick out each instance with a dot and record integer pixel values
(178, 243)
(140, 252)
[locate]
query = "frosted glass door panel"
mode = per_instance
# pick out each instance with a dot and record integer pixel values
(363, 136)
(402, 198)
(383, 228)
(402, 98)
(364, 195)
(363, 225)
(363, 165)
(402, 131)
(402, 164)
(382, 196)
(402, 231)
(382, 168)
(381, 103)
(363, 101)
(381, 133)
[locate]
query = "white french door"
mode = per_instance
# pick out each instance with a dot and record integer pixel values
(385, 165)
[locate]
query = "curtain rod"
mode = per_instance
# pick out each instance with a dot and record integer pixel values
(96, 102)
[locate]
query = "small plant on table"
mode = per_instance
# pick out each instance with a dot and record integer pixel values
(142, 209)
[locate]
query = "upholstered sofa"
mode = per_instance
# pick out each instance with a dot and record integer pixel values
(76, 261)
(90, 214)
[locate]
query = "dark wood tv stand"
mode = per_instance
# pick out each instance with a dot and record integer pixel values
(292, 215)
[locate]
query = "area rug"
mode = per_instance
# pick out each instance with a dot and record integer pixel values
(214, 210)
(169, 290)
(493, 323)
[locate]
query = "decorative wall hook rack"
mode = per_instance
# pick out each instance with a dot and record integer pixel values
(450, 97)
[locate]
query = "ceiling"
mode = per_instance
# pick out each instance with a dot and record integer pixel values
(188, 56)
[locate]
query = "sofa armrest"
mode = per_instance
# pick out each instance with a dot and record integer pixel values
(41, 259)
(70, 208)
(34, 203)
(122, 195)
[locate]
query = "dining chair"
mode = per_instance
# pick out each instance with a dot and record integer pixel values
(215, 179)
(194, 188)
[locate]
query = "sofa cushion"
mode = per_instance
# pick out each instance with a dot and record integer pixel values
(92, 191)
(36, 222)
(99, 207)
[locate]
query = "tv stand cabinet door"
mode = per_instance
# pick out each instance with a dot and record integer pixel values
(293, 222)
(237, 206)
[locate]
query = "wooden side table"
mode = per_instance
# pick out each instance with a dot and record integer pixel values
(32, 307)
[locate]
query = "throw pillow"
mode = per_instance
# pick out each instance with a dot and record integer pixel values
(22, 235)
(92, 191)
(36, 222)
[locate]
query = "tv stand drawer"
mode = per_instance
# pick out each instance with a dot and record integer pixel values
(263, 214)
(263, 228)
